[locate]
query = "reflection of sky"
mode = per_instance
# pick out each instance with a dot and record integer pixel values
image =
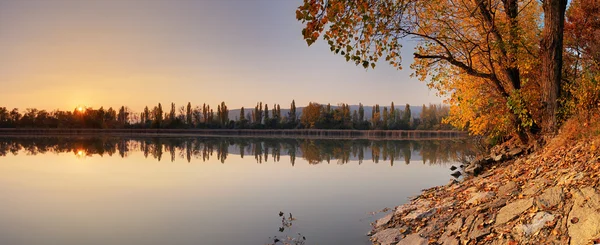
(64, 53)
(61, 199)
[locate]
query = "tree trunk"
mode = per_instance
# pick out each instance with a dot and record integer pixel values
(551, 57)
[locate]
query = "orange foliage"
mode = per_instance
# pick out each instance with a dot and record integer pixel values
(482, 54)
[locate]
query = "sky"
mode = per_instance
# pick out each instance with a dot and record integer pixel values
(60, 54)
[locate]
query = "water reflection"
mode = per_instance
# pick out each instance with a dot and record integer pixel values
(314, 151)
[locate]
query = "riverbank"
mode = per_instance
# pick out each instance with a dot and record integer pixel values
(548, 196)
(279, 133)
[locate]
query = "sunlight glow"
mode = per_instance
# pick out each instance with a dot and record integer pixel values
(80, 153)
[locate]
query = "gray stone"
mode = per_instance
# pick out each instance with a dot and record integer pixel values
(537, 223)
(413, 239)
(480, 197)
(383, 221)
(387, 236)
(550, 198)
(511, 210)
(507, 189)
(586, 203)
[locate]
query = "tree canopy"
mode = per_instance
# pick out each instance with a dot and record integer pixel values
(496, 60)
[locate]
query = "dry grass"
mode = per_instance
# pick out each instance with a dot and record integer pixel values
(579, 128)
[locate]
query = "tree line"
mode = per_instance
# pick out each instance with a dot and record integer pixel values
(313, 116)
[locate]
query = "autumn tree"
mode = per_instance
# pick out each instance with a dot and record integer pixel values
(310, 114)
(473, 51)
(582, 58)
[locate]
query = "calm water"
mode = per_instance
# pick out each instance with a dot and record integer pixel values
(83, 190)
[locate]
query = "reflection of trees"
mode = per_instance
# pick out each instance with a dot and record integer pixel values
(314, 151)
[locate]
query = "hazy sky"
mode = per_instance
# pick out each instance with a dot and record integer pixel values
(64, 53)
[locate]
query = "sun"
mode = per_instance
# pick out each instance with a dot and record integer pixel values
(80, 109)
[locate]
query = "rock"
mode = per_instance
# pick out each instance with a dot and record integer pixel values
(478, 229)
(387, 236)
(511, 210)
(455, 225)
(537, 223)
(452, 168)
(499, 158)
(474, 169)
(456, 174)
(484, 161)
(448, 239)
(419, 214)
(586, 203)
(383, 221)
(531, 189)
(515, 152)
(570, 178)
(480, 197)
(507, 189)
(415, 204)
(499, 202)
(413, 239)
(550, 198)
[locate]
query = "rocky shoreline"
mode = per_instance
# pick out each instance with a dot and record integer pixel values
(546, 197)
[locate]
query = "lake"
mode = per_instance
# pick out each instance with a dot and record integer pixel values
(208, 190)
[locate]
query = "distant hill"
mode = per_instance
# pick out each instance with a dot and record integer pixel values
(415, 110)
